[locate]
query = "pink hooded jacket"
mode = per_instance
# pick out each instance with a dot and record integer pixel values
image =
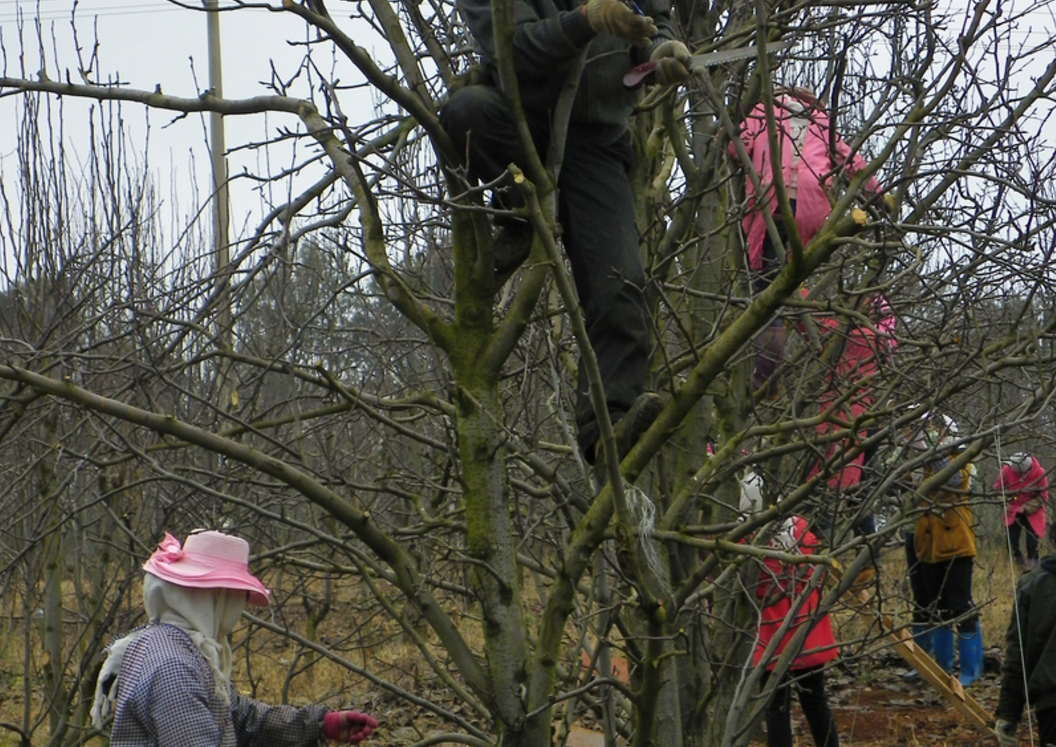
(1023, 488)
(865, 351)
(806, 165)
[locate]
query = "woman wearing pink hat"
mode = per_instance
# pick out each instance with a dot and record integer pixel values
(168, 684)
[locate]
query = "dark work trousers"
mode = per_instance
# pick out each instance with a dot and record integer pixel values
(1015, 529)
(1047, 727)
(949, 590)
(597, 213)
(835, 505)
(810, 685)
(916, 582)
(772, 263)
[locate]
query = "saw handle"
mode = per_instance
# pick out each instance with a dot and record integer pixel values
(637, 76)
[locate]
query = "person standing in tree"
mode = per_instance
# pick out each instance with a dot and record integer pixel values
(596, 205)
(168, 684)
(1024, 479)
(855, 353)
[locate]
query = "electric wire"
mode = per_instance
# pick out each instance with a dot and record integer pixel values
(11, 12)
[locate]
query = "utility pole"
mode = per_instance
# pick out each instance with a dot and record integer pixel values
(221, 203)
(218, 150)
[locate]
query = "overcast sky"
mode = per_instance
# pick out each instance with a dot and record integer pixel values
(147, 43)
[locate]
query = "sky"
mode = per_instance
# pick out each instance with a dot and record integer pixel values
(150, 43)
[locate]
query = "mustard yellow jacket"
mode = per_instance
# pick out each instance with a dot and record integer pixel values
(947, 528)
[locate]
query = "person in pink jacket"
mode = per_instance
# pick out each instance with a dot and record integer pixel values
(864, 349)
(808, 167)
(1026, 488)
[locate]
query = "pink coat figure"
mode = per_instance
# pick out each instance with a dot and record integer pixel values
(807, 166)
(865, 349)
(1023, 487)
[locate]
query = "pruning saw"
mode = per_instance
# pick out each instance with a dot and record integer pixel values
(700, 62)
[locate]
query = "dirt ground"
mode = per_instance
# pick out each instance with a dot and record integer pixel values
(889, 709)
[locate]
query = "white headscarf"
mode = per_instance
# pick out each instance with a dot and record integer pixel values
(207, 615)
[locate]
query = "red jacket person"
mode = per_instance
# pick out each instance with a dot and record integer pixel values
(1026, 489)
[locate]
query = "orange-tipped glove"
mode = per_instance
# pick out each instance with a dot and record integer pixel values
(348, 727)
(615, 18)
(672, 59)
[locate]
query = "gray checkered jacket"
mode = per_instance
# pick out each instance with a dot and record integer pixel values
(167, 698)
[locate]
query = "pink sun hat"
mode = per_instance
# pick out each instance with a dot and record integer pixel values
(208, 560)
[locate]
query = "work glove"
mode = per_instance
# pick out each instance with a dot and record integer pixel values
(672, 60)
(785, 536)
(348, 727)
(1005, 731)
(615, 18)
(1033, 506)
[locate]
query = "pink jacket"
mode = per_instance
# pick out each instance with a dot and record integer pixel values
(864, 352)
(1023, 488)
(806, 165)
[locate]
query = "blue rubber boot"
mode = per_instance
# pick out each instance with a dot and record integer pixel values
(971, 650)
(924, 637)
(942, 641)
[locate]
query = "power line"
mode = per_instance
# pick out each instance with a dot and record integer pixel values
(8, 15)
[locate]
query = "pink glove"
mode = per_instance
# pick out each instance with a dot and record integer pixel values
(350, 727)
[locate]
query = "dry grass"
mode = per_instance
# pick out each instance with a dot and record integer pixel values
(274, 669)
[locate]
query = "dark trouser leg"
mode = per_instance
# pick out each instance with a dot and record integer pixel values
(772, 264)
(950, 583)
(770, 343)
(917, 586)
(1047, 727)
(601, 238)
(779, 715)
(1015, 529)
(597, 214)
(481, 124)
(815, 704)
(769, 346)
(865, 527)
(1032, 537)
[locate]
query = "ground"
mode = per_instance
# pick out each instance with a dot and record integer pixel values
(877, 706)
(888, 709)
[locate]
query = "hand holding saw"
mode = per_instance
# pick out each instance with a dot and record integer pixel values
(700, 62)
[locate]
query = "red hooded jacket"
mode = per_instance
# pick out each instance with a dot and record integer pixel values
(789, 582)
(865, 350)
(1022, 488)
(807, 166)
